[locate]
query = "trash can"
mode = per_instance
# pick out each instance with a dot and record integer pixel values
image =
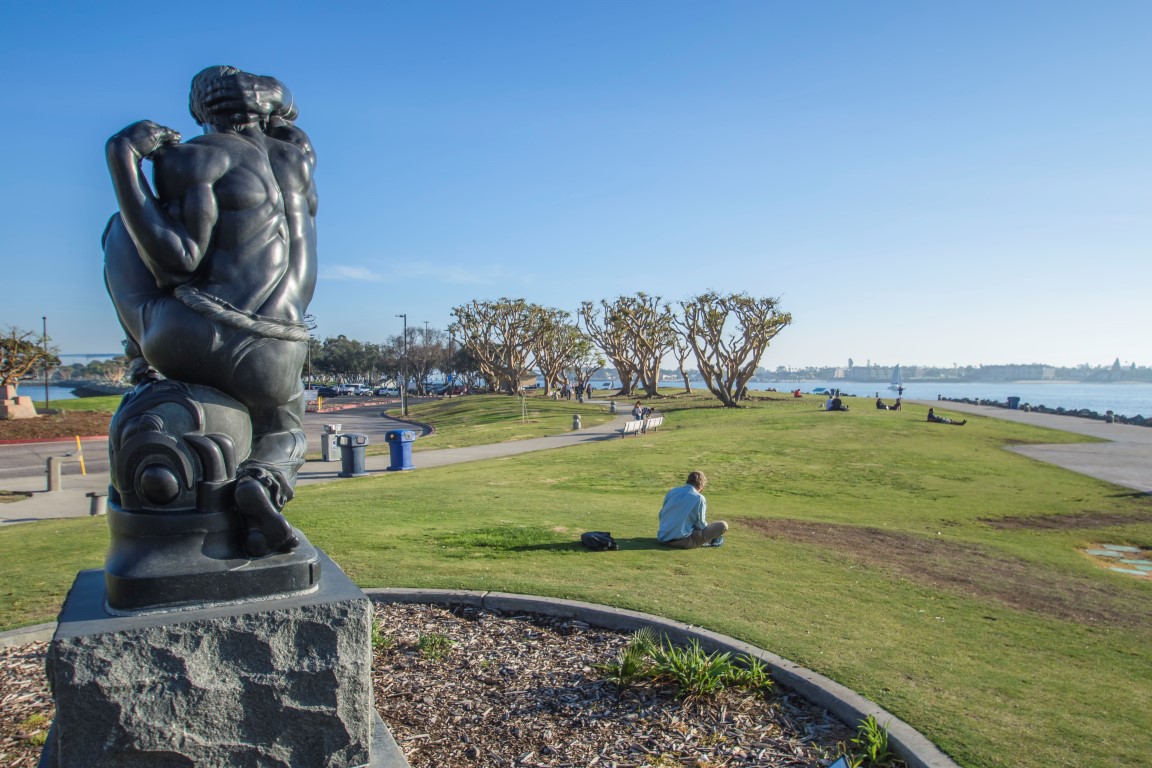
(400, 449)
(352, 449)
(330, 447)
(1013, 403)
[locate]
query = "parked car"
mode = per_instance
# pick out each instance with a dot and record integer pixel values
(450, 389)
(327, 392)
(387, 391)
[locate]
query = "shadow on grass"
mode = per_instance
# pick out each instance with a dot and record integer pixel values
(630, 545)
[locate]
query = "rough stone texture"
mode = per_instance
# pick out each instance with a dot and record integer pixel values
(14, 407)
(274, 683)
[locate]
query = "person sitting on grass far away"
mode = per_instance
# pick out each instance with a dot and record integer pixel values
(941, 420)
(683, 518)
(835, 404)
(880, 405)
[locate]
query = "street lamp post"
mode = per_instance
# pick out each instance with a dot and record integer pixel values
(451, 366)
(404, 368)
(44, 342)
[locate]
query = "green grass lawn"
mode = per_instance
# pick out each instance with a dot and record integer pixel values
(482, 419)
(108, 403)
(919, 564)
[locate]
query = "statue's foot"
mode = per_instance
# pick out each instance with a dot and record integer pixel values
(268, 530)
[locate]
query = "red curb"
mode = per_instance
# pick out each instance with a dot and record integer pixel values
(52, 440)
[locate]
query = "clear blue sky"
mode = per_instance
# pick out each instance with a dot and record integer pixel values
(930, 183)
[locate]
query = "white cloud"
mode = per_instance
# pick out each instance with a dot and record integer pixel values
(361, 274)
(446, 273)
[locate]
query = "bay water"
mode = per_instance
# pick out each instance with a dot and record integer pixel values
(1122, 398)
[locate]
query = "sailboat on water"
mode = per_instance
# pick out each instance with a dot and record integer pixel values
(896, 385)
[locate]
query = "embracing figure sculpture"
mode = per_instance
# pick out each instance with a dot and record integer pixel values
(211, 269)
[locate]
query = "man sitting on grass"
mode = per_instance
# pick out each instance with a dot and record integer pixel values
(683, 520)
(943, 420)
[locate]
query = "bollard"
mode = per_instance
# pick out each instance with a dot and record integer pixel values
(99, 503)
(55, 463)
(612, 407)
(575, 421)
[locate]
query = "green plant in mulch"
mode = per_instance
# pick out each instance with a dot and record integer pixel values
(34, 729)
(434, 646)
(380, 640)
(871, 744)
(691, 670)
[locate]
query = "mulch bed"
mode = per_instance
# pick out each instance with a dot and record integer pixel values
(515, 690)
(65, 424)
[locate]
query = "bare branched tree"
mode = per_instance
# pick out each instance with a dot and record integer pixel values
(500, 336)
(635, 332)
(556, 345)
(729, 334)
(681, 350)
(586, 360)
(22, 352)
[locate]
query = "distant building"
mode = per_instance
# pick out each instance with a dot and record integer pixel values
(1015, 373)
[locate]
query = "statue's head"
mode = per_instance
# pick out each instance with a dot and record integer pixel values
(202, 85)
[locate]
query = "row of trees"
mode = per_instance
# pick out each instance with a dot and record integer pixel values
(414, 356)
(727, 334)
(502, 343)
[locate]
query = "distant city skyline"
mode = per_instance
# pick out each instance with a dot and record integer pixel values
(928, 184)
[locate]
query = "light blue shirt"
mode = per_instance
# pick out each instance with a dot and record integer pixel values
(683, 512)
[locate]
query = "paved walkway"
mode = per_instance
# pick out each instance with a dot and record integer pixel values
(1126, 459)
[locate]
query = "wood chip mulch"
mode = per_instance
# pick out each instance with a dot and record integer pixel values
(459, 686)
(66, 424)
(26, 709)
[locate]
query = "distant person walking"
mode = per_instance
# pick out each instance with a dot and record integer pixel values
(683, 517)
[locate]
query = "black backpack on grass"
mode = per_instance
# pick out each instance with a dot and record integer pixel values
(598, 541)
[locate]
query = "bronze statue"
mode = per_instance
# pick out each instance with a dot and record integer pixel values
(211, 269)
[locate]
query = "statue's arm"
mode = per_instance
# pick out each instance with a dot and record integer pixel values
(170, 248)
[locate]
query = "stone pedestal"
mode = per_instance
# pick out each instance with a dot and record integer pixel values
(13, 407)
(272, 683)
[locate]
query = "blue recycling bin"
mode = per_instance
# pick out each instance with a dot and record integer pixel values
(352, 449)
(1014, 403)
(400, 449)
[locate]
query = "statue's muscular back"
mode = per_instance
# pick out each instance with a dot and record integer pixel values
(245, 198)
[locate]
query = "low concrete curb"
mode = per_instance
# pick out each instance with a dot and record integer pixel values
(847, 705)
(37, 633)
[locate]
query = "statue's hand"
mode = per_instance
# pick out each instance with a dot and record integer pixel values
(146, 137)
(239, 96)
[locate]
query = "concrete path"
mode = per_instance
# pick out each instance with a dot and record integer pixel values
(1126, 459)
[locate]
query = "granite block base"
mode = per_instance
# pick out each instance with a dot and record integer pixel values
(269, 684)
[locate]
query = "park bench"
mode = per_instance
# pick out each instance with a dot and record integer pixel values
(632, 428)
(640, 426)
